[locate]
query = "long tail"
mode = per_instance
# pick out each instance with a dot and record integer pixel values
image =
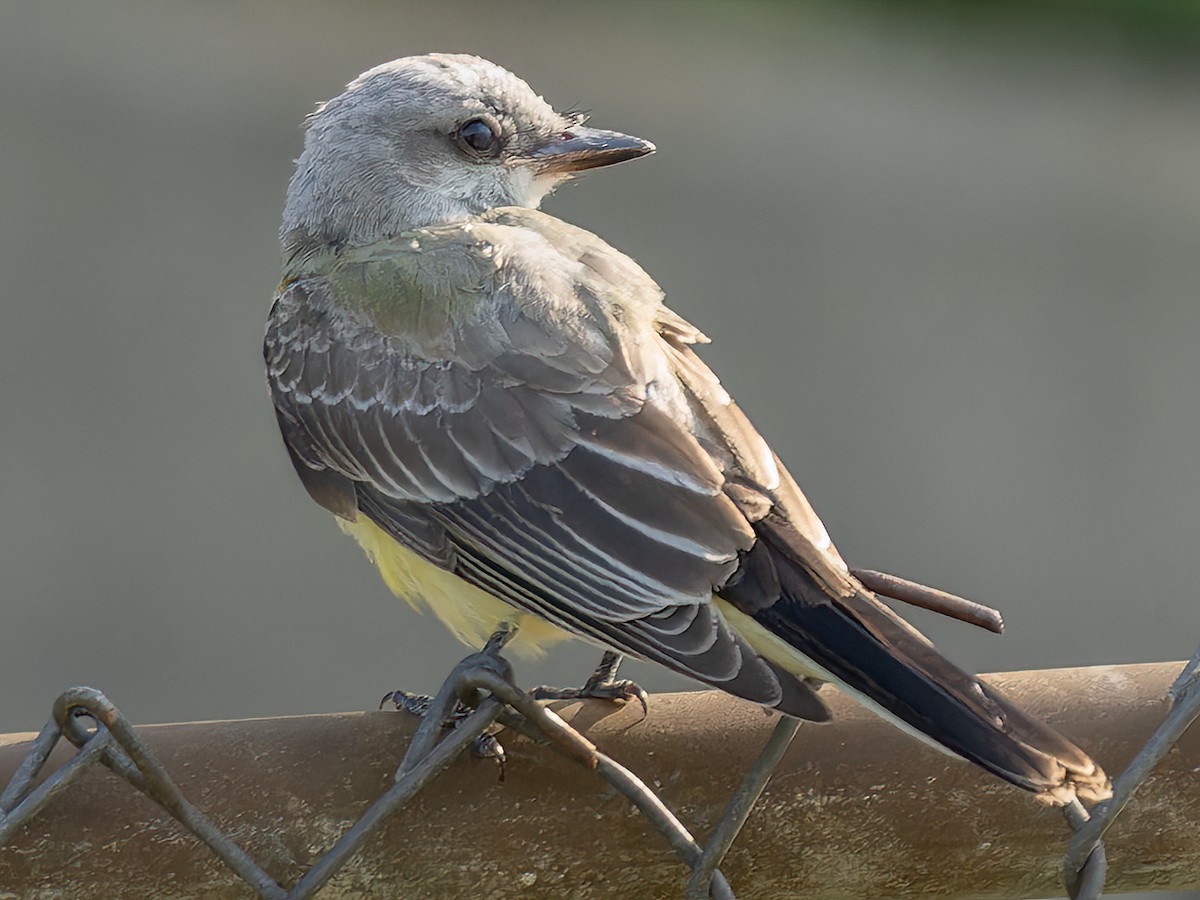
(861, 645)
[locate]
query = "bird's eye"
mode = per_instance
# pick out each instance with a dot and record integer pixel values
(478, 137)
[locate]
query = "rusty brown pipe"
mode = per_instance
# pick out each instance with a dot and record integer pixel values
(855, 809)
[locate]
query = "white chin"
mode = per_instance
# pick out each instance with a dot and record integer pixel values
(530, 189)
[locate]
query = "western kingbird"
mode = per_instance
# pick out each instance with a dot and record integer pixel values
(500, 409)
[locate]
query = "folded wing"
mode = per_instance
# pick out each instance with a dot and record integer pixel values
(513, 402)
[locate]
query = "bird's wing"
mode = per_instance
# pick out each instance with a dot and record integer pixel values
(512, 401)
(499, 399)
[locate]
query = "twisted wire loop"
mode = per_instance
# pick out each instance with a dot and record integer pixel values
(111, 741)
(482, 680)
(1085, 865)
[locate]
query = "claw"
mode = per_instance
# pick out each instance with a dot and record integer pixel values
(487, 746)
(636, 692)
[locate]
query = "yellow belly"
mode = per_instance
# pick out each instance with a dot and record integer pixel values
(471, 614)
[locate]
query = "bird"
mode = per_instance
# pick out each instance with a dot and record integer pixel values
(504, 413)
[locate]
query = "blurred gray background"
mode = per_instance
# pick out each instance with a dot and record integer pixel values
(949, 262)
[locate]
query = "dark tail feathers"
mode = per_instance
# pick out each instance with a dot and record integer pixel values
(877, 654)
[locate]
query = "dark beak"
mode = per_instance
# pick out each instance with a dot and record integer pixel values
(582, 148)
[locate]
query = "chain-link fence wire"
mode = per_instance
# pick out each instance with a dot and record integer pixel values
(483, 682)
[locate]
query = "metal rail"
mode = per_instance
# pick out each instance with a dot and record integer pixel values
(854, 808)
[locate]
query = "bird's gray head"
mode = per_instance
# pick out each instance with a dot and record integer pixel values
(426, 140)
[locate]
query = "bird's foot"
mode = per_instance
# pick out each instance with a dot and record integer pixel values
(620, 691)
(602, 685)
(486, 746)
